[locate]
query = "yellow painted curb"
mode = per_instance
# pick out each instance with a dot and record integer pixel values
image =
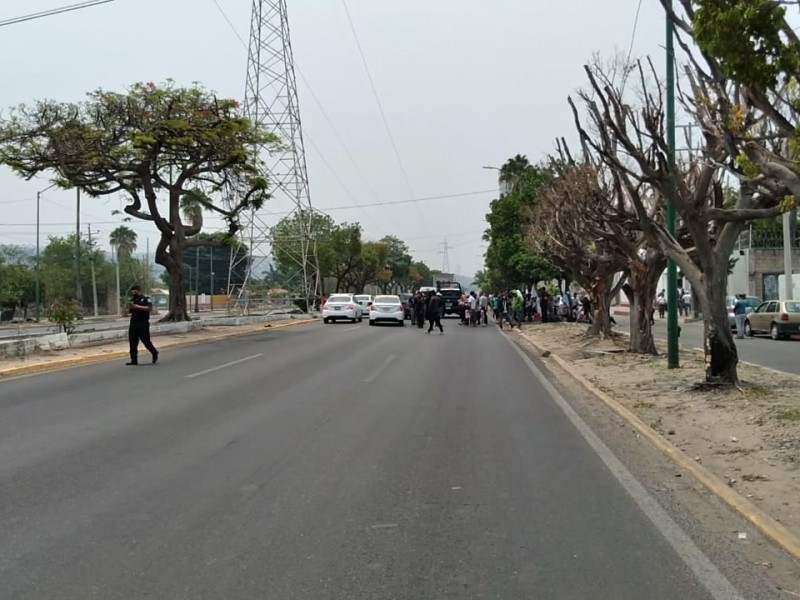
(766, 524)
(95, 358)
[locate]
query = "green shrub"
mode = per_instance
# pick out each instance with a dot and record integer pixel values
(63, 314)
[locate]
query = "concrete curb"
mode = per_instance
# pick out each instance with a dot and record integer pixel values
(105, 356)
(766, 524)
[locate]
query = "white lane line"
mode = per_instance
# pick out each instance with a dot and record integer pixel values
(380, 369)
(225, 366)
(698, 563)
(352, 328)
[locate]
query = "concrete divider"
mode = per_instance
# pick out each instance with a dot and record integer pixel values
(61, 341)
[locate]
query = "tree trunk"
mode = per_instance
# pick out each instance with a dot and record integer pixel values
(601, 324)
(178, 307)
(645, 280)
(720, 350)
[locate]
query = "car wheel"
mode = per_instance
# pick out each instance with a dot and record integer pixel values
(402, 323)
(326, 320)
(360, 319)
(372, 323)
(773, 332)
(748, 331)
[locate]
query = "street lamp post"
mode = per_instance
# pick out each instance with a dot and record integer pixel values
(504, 188)
(38, 269)
(673, 359)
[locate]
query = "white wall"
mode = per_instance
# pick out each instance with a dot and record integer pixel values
(795, 286)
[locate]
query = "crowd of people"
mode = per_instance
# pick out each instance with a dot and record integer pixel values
(512, 307)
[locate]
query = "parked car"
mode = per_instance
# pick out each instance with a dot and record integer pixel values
(342, 307)
(753, 302)
(365, 300)
(387, 309)
(405, 301)
(779, 318)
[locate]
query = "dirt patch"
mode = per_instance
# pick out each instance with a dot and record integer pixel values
(748, 437)
(52, 359)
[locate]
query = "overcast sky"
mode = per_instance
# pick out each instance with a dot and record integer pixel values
(464, 84)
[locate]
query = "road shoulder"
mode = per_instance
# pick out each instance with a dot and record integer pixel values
(673, 475)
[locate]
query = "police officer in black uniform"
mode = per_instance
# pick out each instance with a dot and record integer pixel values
(139, 309)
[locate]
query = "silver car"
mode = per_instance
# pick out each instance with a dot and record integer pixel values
(753, 303)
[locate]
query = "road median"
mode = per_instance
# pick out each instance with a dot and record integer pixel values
(116, 348)
(742, 444)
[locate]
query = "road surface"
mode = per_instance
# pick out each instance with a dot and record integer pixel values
(783, 355)
(332, 462)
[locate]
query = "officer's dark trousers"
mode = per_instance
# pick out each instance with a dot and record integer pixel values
(435, 322)
(140, 332)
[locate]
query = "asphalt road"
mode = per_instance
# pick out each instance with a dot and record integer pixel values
(325, 462)
(782, 355)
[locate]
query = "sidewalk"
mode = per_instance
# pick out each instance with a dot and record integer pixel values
(742, 444)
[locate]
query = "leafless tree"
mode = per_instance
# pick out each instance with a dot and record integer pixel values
(632, 142)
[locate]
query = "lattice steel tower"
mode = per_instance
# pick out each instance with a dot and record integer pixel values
(271, 101)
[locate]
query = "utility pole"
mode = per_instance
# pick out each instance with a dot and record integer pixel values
(197, 279)
(78, 283)
(788, 292)
(116, 269)
(91, 264)
(211, 274)
(38, 269)
(147, 269)
(673, 359)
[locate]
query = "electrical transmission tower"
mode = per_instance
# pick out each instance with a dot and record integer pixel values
(445, 256)
(271, 101)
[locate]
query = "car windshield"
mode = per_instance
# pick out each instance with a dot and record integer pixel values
(362, 298)
(339, 298)
(793, 307)
(387, 300)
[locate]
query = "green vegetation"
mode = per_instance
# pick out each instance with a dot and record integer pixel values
(174, 153)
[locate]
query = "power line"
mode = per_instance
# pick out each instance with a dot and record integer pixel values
(53, 11)
(329, 209)
(380, 109)
(630, 47)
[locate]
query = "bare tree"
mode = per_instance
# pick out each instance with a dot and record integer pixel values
(632, 142)
(562, 227)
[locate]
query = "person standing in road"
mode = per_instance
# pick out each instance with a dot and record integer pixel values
(483, 307)
(419, 310)
(139, 309)
(435, 313)
(740, 315)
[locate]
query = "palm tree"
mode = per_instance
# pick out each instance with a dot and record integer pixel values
(514, 170)
(124, 241)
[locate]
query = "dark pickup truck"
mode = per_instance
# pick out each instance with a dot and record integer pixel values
(451, 294)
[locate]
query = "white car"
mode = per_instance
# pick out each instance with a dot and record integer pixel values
(387, 309)
(342, 307)
(365, 300)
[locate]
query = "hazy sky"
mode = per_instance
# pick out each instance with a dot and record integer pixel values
(464, 83)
